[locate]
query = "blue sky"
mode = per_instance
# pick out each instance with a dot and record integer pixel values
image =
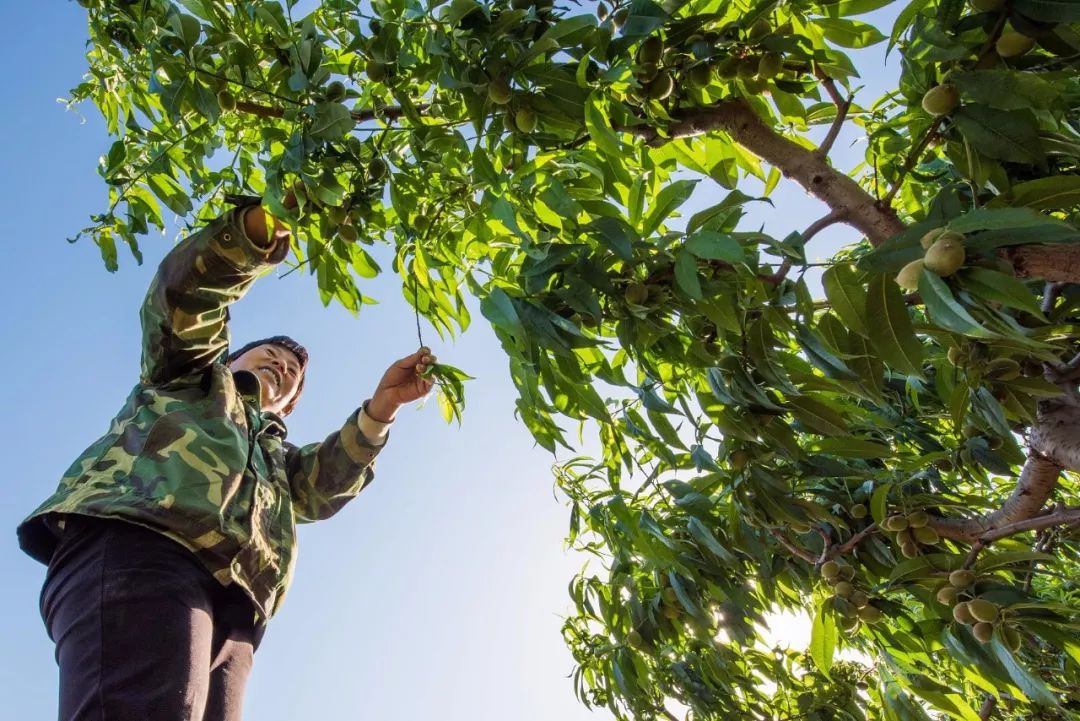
(438, 593)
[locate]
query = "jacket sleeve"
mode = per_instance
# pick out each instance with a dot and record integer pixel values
(185, 314)
(325, 476)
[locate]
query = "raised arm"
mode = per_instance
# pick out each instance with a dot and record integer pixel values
(185, 314)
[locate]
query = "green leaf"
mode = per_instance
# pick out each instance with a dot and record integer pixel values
(944, 310)
(818, 417)
(1005, 89)
(1002, 219)
(1057, 192)
(1032, 686)
(823, 637)
(822, 358)
(847, 295)
(849, 33)
(1051, 11)
(892, 333)
(686, 274)
(701, 533)
(615, 234)
(1011, 135)
(330, 121)
(596, 122)
(499, 309)
(879, 502)
(1000, 288)
(714, 246)
(667, 200)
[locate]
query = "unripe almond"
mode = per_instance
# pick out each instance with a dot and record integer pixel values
(926, 536)
(857, 511)
(961, 578)
(843, 589)
(1012, 44)
(870, 614)
(859, 599)
(941, 100)
(1012, 637)
(896, 523)
(830, 569)
(945, 257)
(961, 614)
(983, 610)
(983, 631)
(909, 550)
(937, 234)
(908, 277)
(918, 519)
(947, 595)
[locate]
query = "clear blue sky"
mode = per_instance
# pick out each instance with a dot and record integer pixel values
(437, 594)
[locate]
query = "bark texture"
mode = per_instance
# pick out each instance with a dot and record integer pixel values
(1059, 263)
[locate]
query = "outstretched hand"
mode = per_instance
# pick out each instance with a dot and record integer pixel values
(405, 381)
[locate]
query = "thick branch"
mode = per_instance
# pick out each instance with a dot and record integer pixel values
(1060, 263)
(1037, 481)
(838, 191)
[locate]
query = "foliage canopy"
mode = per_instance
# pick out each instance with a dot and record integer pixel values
(883, 460)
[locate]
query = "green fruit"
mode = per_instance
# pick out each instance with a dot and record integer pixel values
(525, 120)
(849, 623)
(508, 123)
(1012, 44)
(339, 214)
(646, 72)
(700, 76)
(634, 639)
(857, 511)
(650, 50)
(670, 611)
(376, 71)
(376, 169)
(738, 460)
(955, 355)
(830, 570)
(983, 631)
(521, 4)
(636, 293)
(859, 599)
(904, 537)
(927, 536)
(847, 572)
(226, 100)
(728, 67)
(602, 12)
(1012, 637)
(937, 234)
(335, 91)
(909, 550)
(987, 6)
(770, 65)
(961, 614)
(941, 100)
(908, 277)
(668, 594)
(498, 91)
(870, 614)
(759, 29)
(896, 523)
(945, 257)
(843, 589)
(662, 86)
(983, 610)
(947, 595)
(619, 18)
(918, 519)
(747, 67)
(961, 578)
(348, 233)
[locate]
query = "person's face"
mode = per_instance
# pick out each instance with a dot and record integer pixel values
(278, 371)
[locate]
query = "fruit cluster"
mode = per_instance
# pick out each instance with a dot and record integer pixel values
(850, 603)
(944, 256)
(912, 530)
(982, 615)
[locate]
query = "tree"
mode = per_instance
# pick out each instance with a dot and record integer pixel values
(890, 460)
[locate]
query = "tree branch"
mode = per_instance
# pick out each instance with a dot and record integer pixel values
(987, 709)
(791, 547)
(843, 105)
(737, 118)
(1054, 517)
(855, 540)
(1057, 263)
(1037, 481)
(836, 216)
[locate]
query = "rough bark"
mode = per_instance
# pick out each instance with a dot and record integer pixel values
(737, 118)
(1059, 263)
(1055, 445)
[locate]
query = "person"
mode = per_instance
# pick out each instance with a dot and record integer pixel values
(171, 540)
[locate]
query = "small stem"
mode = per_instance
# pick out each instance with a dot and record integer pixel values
(912, 159)
(842, 108)
(792, 548)
(1051, 292)
(855, 540)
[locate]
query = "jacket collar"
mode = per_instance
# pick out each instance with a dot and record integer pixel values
(247, 385)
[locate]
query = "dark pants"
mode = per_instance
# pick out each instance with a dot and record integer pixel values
(143, 632)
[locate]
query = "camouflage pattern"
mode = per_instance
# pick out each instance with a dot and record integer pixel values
(190, 454)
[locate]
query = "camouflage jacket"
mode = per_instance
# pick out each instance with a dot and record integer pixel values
(190, 454)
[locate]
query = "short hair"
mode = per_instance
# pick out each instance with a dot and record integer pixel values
(282, 341)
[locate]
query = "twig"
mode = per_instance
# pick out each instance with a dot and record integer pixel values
(390, 112)
(792, 548)
(987, 709)
(830, 87)
(842, 109)
(826, 545)
(912, 159)
(836, 216)
(1054, 517)
(855, 540)
(1051, 292)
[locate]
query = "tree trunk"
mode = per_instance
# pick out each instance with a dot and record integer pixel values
(1058, 263)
